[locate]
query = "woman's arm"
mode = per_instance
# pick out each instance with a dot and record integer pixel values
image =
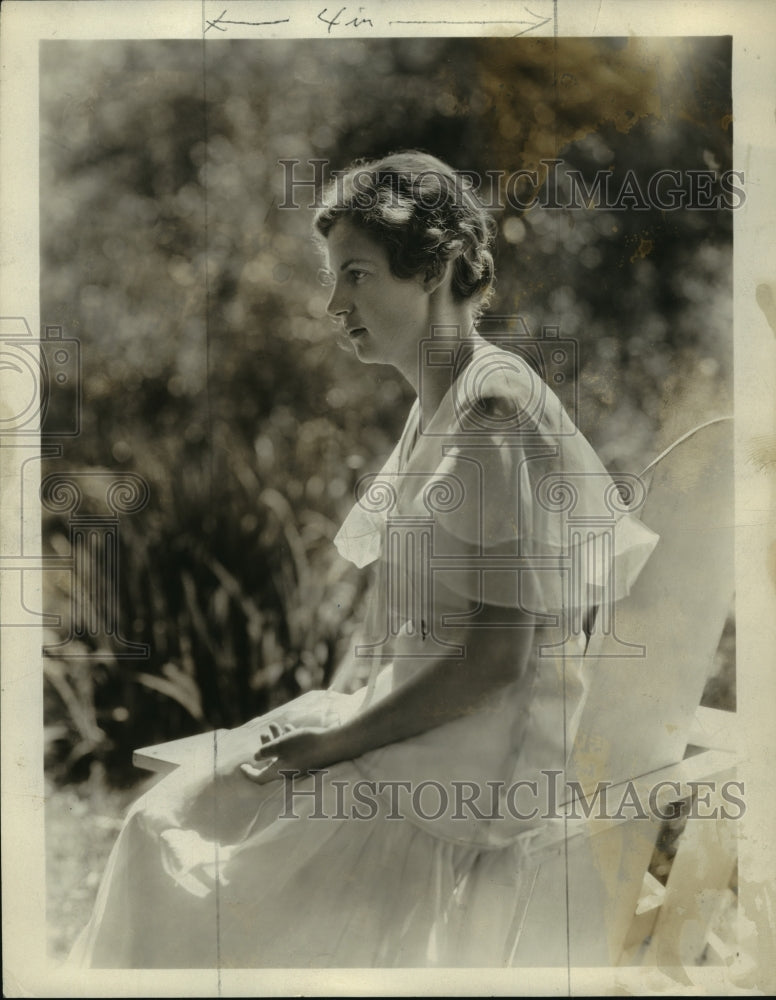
(439, 690)
(442, 688)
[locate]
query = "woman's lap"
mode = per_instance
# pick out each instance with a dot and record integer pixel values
(211, 868)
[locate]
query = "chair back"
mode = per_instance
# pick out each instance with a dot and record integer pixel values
(639, 709)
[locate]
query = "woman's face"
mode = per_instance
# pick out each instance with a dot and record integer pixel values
(384, 317)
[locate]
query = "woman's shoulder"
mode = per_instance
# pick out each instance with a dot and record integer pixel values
(502, 387)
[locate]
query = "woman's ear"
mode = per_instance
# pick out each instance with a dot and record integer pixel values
(436, 278)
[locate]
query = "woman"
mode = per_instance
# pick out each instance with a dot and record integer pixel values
(406, 845)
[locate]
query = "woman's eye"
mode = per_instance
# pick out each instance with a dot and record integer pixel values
(357, 274)
(325, 277)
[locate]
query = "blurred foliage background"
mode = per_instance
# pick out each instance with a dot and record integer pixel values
(209, 366)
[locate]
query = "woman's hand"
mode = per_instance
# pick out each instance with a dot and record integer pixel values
(287, 749)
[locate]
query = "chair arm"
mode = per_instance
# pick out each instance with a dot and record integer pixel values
(714, 729)
(675, 784)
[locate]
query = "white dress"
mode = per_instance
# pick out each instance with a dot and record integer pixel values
(498, 501)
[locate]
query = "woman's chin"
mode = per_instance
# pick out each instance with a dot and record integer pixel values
(363, 350)
(355, 345)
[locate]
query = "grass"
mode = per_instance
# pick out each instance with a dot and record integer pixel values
(82, 822)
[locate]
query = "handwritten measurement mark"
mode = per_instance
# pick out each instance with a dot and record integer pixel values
(532, 23)
(538, 22)
(358, 20)
(220, 20)
(334, 22)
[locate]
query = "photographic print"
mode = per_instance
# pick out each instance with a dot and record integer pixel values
(387, 499)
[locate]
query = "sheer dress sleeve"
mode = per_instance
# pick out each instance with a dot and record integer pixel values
(521, 511)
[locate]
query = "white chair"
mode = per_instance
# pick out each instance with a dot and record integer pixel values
(594, 902)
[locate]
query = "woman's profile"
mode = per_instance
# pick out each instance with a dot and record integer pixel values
(383, 827)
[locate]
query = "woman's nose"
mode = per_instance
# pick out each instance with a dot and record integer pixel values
(338, 305)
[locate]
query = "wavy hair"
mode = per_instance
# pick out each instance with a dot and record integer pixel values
(423, 212)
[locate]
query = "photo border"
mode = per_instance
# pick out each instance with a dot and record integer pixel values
(25, 23)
